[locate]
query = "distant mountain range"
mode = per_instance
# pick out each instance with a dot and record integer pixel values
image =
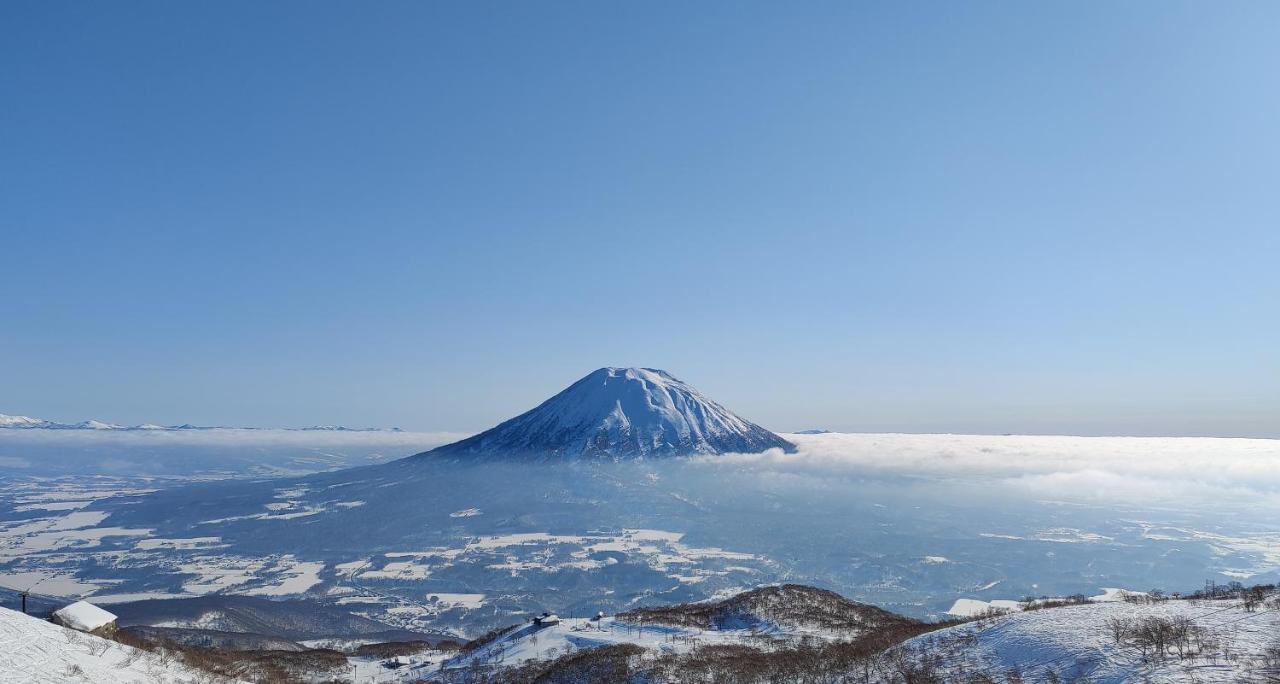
(28, 423)
(620, 413)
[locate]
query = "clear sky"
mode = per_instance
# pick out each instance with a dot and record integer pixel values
(1049, 217)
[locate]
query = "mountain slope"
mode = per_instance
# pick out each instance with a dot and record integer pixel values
(783, 606)
(620, 413)
(791, 631)
(38, 651)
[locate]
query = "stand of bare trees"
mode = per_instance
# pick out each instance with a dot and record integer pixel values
(1162, 637)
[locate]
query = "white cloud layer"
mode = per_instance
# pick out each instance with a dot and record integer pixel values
(1145, 469)
(222, 451)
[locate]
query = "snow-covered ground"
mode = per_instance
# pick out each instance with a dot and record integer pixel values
(1077, 641)
(972, 608)
(33, 651)
(412, 668)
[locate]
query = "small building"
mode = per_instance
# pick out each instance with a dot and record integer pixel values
(546, 619)
(85, 617)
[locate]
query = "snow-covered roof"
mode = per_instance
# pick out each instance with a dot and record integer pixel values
(83, 616)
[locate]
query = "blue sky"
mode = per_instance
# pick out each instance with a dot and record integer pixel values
(971, 217)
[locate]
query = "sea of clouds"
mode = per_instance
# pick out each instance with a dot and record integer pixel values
(1183, 471)
(1149, 470)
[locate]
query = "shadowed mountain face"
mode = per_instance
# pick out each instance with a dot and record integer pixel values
(620, 413)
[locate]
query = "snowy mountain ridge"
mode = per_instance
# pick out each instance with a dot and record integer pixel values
(29, 423)
(21, 422)
(620, 413)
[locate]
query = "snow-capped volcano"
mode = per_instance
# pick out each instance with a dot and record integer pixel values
(618, 413)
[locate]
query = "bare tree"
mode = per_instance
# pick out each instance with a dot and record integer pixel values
(1119, 628)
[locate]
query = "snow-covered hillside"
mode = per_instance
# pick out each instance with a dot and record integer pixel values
(34, 651)
(769, 617)
(621, 413)
(1219, 641)
(784, 607)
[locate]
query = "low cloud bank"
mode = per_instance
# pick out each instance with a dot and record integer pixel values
(220, 452)
(1142, 469)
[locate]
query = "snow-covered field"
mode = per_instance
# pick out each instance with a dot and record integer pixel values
(33, 651)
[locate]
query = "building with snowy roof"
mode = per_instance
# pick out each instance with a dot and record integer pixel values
(85, 617)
